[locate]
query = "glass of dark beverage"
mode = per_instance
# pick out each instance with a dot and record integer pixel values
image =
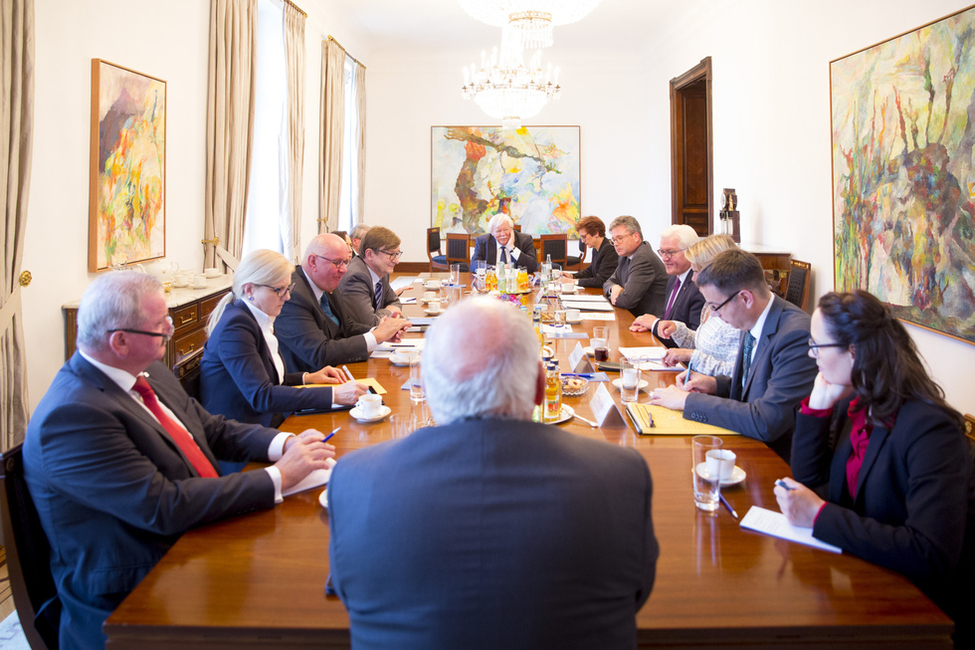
(601, 353)
(600, 343)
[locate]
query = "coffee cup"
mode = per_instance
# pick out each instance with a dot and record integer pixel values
(199, 281)
(721, 462)
(568, 287)
(369, 405)
(434, 306)
(432, 284)
(212, 272)
(430, 295)
(573, 315)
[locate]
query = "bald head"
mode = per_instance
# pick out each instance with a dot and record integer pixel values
(481, 360)
(326, 259)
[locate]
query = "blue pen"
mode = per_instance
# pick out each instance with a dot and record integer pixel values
(728, 506)
(578, 374)
(329, 436)
(782, 484)
(687, 375)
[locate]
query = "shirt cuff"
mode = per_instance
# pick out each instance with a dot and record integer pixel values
(275, 475)
(805, 409)
(371, 343)
(276, 449)
(515, 253)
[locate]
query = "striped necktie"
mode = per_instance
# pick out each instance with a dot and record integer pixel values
(378, 296)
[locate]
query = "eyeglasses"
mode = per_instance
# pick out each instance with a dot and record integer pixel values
(814, 347)
(165, 336)
(620, 238)
(393, 255)
(717, 308)
(278, 290)
(669, 254)
(338, 263)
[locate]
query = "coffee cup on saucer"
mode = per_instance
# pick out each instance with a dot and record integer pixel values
(430, 295)
(199, 281)
(573, 315)
(212, 272)
(369, 405)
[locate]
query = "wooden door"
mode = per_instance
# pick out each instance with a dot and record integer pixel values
(690, 138)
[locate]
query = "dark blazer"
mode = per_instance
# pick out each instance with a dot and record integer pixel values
(308, 339)
(914, 511)
(486, 248)
(359, 292)
(687, 307)
(644, 282)
(114, 492)
(603, 265)
(239, 380)
(780, 376)
(492, 534)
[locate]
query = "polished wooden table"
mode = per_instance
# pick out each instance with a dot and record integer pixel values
(258, 580)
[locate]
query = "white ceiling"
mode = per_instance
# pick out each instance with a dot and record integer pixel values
(417, 25)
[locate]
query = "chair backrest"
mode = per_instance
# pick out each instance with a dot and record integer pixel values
(28, 556)
(189, 375)
(433, 241)
(798, 290)
(557, 246)
(517, 227)
(458, 248)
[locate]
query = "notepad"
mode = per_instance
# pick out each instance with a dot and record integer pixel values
(316, 478)
(365, 381)
(666, 422)
(775, 524)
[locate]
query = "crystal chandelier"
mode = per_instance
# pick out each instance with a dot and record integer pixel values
(533, 19)
(507, 89)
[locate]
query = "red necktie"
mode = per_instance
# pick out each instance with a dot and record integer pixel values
(179, 435)
(673, 297)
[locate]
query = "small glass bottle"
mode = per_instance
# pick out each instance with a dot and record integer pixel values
(553, 393)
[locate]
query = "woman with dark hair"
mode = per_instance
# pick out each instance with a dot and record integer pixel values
(878, 441)
(592, 233)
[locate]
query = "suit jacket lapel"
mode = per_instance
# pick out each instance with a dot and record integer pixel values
(877, 439)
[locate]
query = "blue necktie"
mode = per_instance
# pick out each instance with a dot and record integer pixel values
(746, 360)
(379, 294)
(328, 310)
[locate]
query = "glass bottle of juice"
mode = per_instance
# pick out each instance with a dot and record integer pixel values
(553, 393)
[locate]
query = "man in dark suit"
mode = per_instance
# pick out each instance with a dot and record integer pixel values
(489, 530)
(514, 247)
(365, 286)
(120, 461)
(317, 327)
(592, 233)
(640, 280)
(773, 371)
(684, 300)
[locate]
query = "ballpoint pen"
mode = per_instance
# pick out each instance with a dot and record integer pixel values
(687, 375)
(782, 484)
(728, 506)
(329, 436)
(584, 375)
(346, 369)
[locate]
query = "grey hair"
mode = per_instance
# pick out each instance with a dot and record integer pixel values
(359, 231)
(499, 219)
(686, 235)
(112, 301)
(496, 377)
(628, 222)
(261, 266)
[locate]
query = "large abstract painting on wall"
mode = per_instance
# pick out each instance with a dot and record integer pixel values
(531, 174)
(127, 215)
(903, 132)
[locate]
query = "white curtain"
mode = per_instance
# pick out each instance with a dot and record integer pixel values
(294, 48)
(360, 139)
(16, 137)
(332, 121)
(230, 123)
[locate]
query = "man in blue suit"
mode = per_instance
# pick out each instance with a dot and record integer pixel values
(489, 530)
(773, 371)
(120, 461)
(684, 300)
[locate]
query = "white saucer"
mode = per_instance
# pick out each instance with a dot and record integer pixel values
(431, 287)
(619, 383)
(575, 322)
(737, 476)
(572, 290)
(587, 350)
(430, 312)
(383, 412)
(323, 498)
(216, 274)
(399, 361)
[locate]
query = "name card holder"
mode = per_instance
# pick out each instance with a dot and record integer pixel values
(605, 410)
(578, 360)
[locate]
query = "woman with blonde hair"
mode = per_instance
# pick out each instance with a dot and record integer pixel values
(243, 374)
(712, 348)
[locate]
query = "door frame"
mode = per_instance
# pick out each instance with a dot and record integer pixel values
(702, 71)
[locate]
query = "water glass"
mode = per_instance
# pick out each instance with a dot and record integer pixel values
(559, 318)
(629, 380)
(600, 343)
(402, 424)
(455, 275)
(416, 380)
(707, 481)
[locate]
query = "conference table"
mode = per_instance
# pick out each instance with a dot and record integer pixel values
(258, 580)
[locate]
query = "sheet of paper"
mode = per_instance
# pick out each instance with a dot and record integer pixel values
(577, 355)
(653, 353)
(553, 329)
(775, 524)
(316, 478)
(598, 315)
(408, 301)
(584, 297)
(587, 306)
(421, 320)
(404, 281)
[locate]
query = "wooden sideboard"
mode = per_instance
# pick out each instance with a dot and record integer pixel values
(189, 309)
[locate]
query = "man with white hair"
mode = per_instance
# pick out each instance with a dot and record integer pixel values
(684, 301)
(489, 530)
(355, 237)
(120, 461)
(504, 244)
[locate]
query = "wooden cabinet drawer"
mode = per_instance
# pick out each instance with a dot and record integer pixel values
(185, 316)
(188, 344)
(209, 304)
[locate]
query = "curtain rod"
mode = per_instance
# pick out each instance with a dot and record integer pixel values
(296, 7)
(332, 38)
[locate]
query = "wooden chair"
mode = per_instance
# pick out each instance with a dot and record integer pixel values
(437, 261)
(459, 250)
(557, 246)
(798, 291)
(970, 426)
(28, 556)
(576, 263)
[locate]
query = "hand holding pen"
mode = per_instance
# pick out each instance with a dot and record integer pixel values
(799, 504)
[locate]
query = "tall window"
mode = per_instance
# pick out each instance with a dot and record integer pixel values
(266, 223)
(349, 201)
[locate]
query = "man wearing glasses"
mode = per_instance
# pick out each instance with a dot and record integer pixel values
(318, 327)
(365, 285)
(773, 371)
(503, 244)
(640, 280)
(120, 461)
